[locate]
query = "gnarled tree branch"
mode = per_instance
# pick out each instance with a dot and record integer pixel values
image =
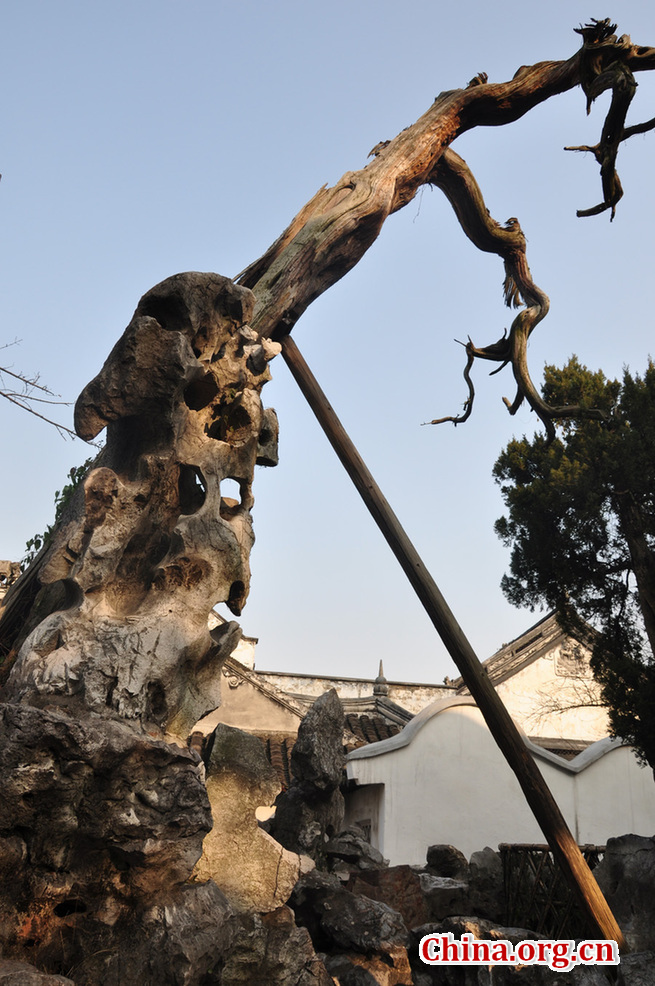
(338, 225)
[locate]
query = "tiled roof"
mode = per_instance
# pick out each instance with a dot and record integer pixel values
(512, 657)
(565, 748)
(368, 729)
(278, 750)
(360, 729)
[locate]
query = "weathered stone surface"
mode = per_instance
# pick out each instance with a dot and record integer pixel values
(102, 816)
(311, 811)
(486, 886)
(626, 875)
(148, 545)
(340, 921)
(353, 969)
(350, 851)
(318, 758)
(445, 897)
(398, 886)
(270, 949)
(179, 939)
(304, 826)
(95, 800)
(443, 860)
(637, 969)
(22, 974)
(253, 870)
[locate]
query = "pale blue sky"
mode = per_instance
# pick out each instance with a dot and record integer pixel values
(145, 138)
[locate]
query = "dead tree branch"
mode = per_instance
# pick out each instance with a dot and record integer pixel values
(25, 398)
(337, 226)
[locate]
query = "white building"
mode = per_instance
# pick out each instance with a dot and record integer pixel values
(443, 779)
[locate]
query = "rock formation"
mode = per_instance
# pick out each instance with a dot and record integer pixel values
(148, 544)
(253, 870)
(311, 812)
(110, 662)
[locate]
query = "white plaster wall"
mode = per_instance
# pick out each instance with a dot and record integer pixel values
(245, 707)
(614, 792)
(410, 695)
(529, 693)
(450, 784)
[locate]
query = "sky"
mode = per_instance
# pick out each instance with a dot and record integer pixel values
(140, 139)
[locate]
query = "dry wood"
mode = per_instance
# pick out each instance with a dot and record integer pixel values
(338, 225)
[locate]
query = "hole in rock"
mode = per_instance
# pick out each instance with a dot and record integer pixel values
(201, 392)
(231, 489)
(230, 498)
(170, 311)
(72, 906)
(235, 599)
(233, 425)
(156, 701)
(192, 488)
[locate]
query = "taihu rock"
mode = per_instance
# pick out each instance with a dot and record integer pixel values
(104, 807)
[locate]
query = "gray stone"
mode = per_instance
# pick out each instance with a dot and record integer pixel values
(444, 860)
(104, 807)
(351, 848)
(22, 974)
(626, 875)
(637, 969)
(147, 545)
(318, 758)
(96, 800)
(486, 885)
(270, 949)
(397, 886)
(311, 812)
(340, 921)
(180, 939)
(445, 897)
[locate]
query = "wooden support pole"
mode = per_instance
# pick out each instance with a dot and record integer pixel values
(502, 727)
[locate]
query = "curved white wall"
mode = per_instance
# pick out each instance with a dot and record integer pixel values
(444, 780)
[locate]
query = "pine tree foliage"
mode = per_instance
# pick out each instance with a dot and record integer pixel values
(581, 528)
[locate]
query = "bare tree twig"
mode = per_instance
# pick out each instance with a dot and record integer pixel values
(25, 398)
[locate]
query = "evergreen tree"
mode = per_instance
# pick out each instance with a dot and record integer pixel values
(581, 526)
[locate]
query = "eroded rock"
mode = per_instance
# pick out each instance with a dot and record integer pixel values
(447, 861)
(149, 543)
(340, 921)
(254, 871)
(400, 887)
(103, 814)
(486, 884)
(22, 974)
(626, 875)
(271, 949)
(350, 851)
(311, 812)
